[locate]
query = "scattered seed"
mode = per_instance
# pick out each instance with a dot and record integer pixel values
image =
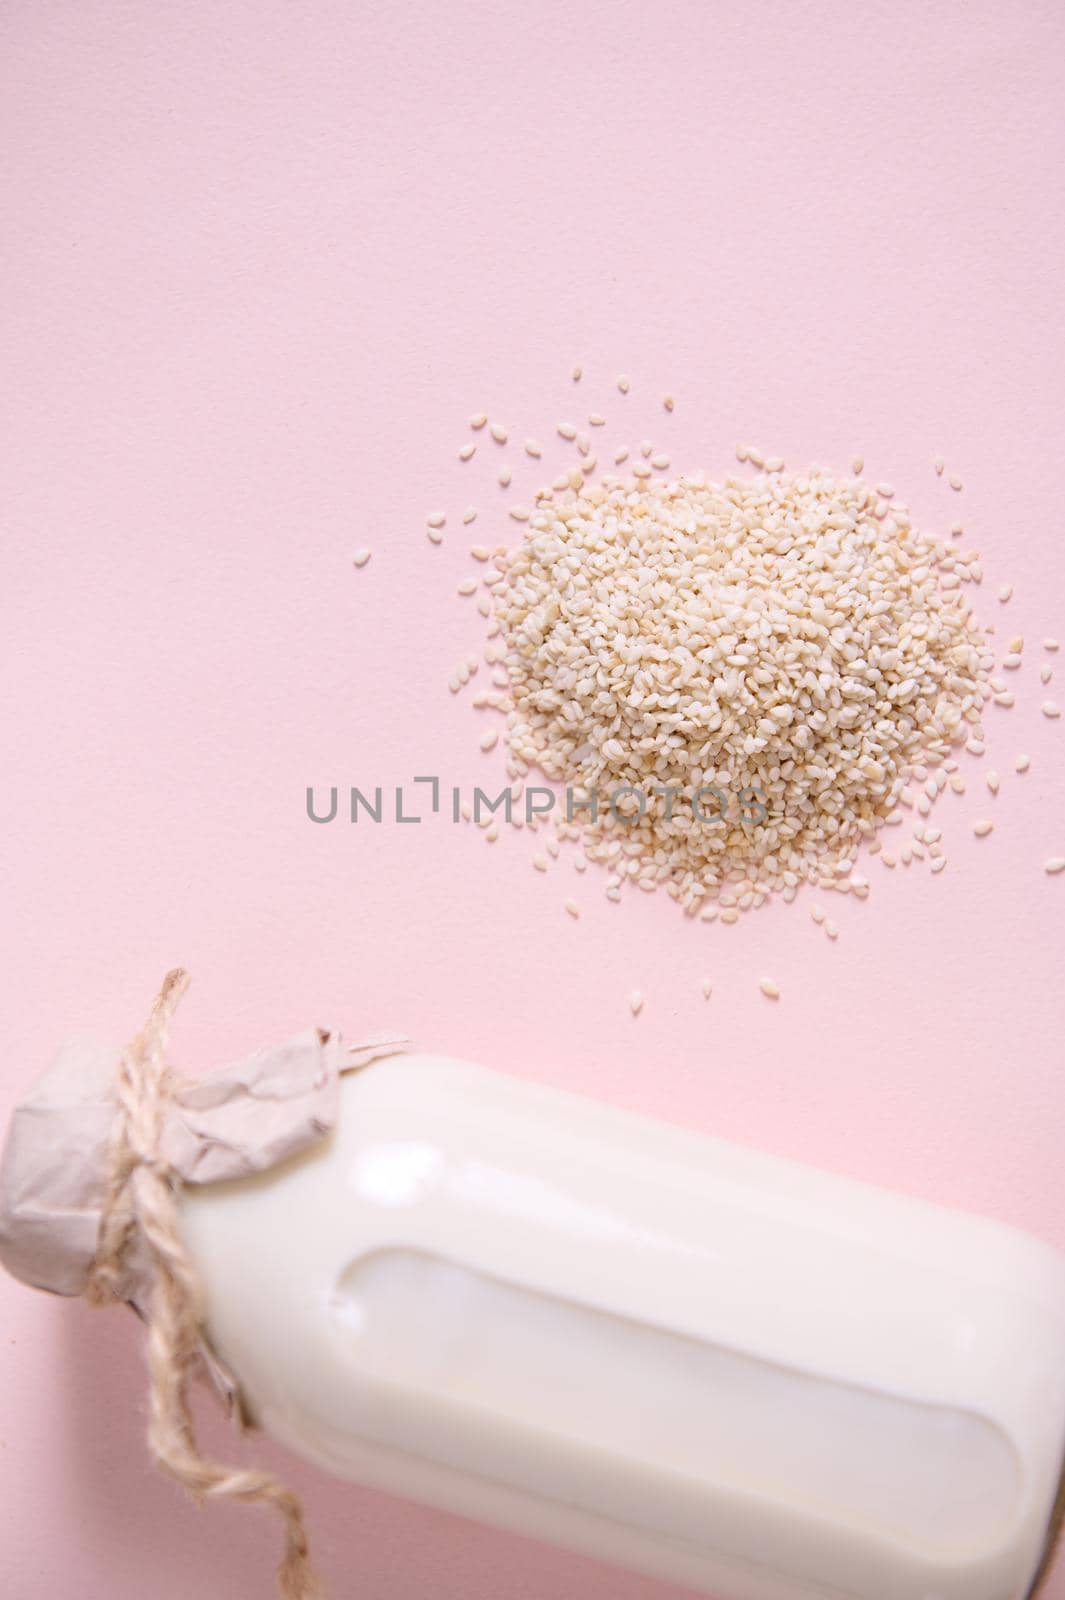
(596, 420)
(660, 461)
(858, 466)
(577, 372)
(470, 514)
(993, 782)
(360, 558)
(436, 519)
(623, 384)
(434, 535)
(667, 401)
(520, 513)
(956, 530)
(1005, 593)
(539, 862)
(708, 988)
(498, 432)
(620, 456)
(636, 1002)
(983, 827)
(468, 586)
(1054, 865)
(1022, 764)
(467, 451)
(818, 914)
(1045, 673)
(769, 989)
(534, 449)
(1050, 708)
(775, 464)
(939, 863)
(939, 464)
(504, 478)
(566, 430)
(956, 483)
(831, 930)
(479, 419)
(1050, 644)
(573, 908)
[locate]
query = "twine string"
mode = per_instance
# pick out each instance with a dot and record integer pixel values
(140, 1203)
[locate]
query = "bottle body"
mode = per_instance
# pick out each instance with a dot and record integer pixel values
(663, 1350)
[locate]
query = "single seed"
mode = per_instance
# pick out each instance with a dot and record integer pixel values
(939, 464)
(636, 1002)
(708, 988)
(956, 483)
(956, 529)
(534, 449)
(769, 989)
(470, 514)
(479, 419)
(520, 513)
(818, 914)
(436, 519)
(468, 586)
(775, 464)
(480, 552)
(1054, 865)
(498, 432)
(504, 478)
(1045, 673)
(660, 461)
(573, 908)
(983, 827)
(566, 430)
(1022, 764)
(596, 420)
(887, 490)
(858, 466)
(467, 451)
(1050, 644)
(1005, 593)
(360, 558)
(434, 536)
(939, 863)
(539, 863)
(577, 371)
(623, 383)
(620, 456)
(993, 782)
(667, 401)
(831, 930)
(1050, 708)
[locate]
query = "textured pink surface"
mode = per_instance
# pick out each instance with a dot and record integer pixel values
(264, 260)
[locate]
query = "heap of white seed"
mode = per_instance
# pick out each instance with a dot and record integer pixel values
(791, 641)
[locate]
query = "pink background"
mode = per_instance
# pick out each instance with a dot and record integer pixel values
(263, 261)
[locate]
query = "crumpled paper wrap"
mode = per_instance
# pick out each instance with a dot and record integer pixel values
(236, 1120)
